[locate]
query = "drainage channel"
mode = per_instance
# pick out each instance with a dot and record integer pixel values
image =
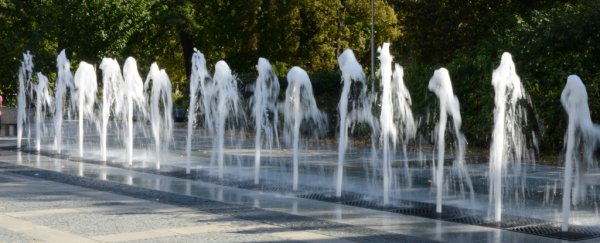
(526, 225)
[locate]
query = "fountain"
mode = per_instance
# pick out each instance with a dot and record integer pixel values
(226, 105)
(441, 85)
(160, 100)
(199, 75)
(407, 187)
(85, 91)
(264, 102)
(388, 130)
(64, 84)
(207, 102)
(508, 141)
(361, 109)
(43, 102)
(25, 76)
(403, 117)
(112, 82)
(133, 93)
(300, 106)
(583, 136)
(395, 112)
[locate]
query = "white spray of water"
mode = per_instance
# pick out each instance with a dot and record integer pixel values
(508, 141)
(199, 75)
(208, 93)
(300, 106)
(63, 84)
(160, 100)
(583, 136)
(395, 112)
(388, 129)
(360, 112)
(25, 76)
(264, 102)
(403, 117)
(112, 82)
(133, 93)
(43, 103)
(441, 85)
(226, 104)
(85, 91)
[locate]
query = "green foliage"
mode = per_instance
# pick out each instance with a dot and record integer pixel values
(434, 31)
(549, 39)
(547, 45)
(554, 43)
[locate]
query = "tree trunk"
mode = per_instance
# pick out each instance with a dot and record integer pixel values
(187, 45)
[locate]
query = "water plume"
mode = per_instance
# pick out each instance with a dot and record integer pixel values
(43, 103)
(359, 112)
(264, 111)
(299, 107)
(581, 139)
(133, 93)
(508, 140)
(441, 85)
(63, 86)
(25, 77)
(85, 93)
(112, 82)
(395, 113)
(161, 107)
(199, 74)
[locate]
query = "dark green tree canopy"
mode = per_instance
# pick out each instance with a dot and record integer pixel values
(549, 40)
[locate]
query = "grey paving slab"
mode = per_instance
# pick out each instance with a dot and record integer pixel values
(215, 237)
(121, 214)
(10, 236)
(227, 212)
(100, 223)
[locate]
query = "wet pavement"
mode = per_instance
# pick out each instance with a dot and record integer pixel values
(56, 200)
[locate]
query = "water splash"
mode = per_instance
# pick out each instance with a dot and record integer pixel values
(300, 106)
(395, 112)
(264, 103)
(199, 75)
(25, 76)
(85, 92)
(441, 85)
(226, 104)
(403, 117)
(508, 141)
(62, 87)
(112, 82)
(133, 93)
(386, 117)
(360, 110)
(582, 137)
(43, 103)
(160, 100)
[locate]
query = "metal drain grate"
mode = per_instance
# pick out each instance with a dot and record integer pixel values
(401, 206)
(508, 221)
(265, 187)
(428, 211)
(553, 230)
(110, 204)
(366, 204)
(330, 197)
